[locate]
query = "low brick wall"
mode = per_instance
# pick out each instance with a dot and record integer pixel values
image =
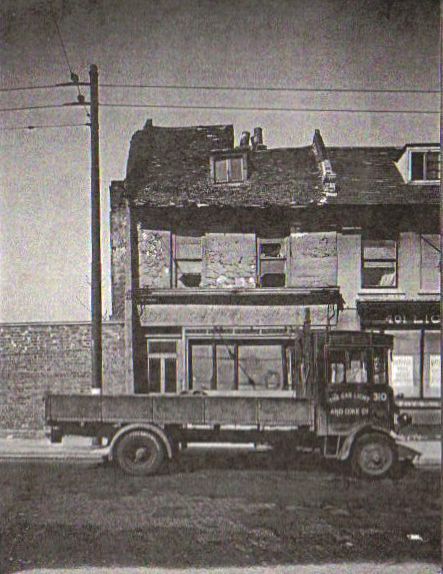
(40, 357)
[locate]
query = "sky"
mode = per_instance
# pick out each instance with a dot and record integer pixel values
(45, 173)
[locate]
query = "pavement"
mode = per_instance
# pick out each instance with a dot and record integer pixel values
(343, 568)
(80, 449)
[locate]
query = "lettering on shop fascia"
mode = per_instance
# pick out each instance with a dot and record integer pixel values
(414, 320)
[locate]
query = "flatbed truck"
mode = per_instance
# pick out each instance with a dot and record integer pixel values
(340, 403)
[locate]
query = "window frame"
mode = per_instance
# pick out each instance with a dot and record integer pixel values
(363, 260)
(261, 258)
(176, 261)
(228, 157)
(425, 151)
(288, 382)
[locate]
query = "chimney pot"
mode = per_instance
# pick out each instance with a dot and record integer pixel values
(244, 139)
(258, 136)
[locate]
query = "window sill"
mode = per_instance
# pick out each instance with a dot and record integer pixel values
(381, 291)
(429, 293)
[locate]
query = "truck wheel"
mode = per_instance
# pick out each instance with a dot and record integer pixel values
(139, 453)
(373, 456)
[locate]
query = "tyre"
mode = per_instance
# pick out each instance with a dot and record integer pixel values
(373, 456)
(139, 453)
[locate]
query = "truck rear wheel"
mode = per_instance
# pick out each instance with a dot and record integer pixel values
(139, 453)
(373, 456)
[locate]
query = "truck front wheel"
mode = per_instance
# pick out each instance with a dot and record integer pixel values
(373, 456)
(139, 453)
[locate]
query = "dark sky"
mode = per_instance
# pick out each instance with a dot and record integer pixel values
(44, 202)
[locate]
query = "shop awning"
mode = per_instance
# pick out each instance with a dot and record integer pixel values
(243, 296)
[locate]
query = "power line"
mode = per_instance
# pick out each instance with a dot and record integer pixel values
(230, 88)
(25, 88)
(271, 88)
(41, 127)
(74, 76)
(235, 108)
(267, 109)
(37, 107)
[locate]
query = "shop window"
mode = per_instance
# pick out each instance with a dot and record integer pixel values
(424, 165)
(379, 263)
(272, 263)
(226, 367)
(232, 365)
(260, 367)
(187, 261)
(162, 366)
(405, 365)
(202, 367)
(430, 263)
(229, 169)
(431, 365)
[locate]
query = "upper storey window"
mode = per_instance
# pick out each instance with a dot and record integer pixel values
(379, 263)
(228, 168)
(424, 165)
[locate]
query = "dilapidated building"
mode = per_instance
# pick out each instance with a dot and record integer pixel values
(219, 250)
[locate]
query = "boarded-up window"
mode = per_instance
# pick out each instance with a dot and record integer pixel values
(430, 263)
(313, 259)
(188, 261)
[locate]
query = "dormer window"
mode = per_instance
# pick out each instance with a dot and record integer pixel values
(228, 168)
(424, 165)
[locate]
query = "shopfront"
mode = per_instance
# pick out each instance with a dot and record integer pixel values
(416, 359)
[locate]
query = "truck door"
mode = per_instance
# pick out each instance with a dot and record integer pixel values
(357, 389)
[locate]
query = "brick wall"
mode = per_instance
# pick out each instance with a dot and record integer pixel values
(119, 249)
(40, 357)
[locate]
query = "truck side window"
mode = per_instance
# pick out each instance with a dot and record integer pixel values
(337, 361)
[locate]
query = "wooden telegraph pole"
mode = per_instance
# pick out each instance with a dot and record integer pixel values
(96, 267)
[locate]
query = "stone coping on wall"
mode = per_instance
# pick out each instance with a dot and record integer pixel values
(55, 323)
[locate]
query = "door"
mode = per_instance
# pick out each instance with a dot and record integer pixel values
(357, 389)
(162, 366)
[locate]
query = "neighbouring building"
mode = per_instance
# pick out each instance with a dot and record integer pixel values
(218, 250)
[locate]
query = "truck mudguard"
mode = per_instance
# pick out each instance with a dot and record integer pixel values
(346, 447)
(144, 427)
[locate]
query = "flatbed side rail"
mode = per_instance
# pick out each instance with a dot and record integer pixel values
(179, 409)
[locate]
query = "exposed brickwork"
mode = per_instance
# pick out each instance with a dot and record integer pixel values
(154, 252)
(118, 248)
(313, 260)
(37, 358)
(229, 260)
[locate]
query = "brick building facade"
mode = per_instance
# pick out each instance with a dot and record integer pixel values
(218, 249)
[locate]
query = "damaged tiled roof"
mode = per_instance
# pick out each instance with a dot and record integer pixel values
(368, 175)
(171, 167)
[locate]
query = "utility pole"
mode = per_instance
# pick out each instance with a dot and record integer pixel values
(96, 267)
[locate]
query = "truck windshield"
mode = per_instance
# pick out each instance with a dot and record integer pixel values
(348, 366)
